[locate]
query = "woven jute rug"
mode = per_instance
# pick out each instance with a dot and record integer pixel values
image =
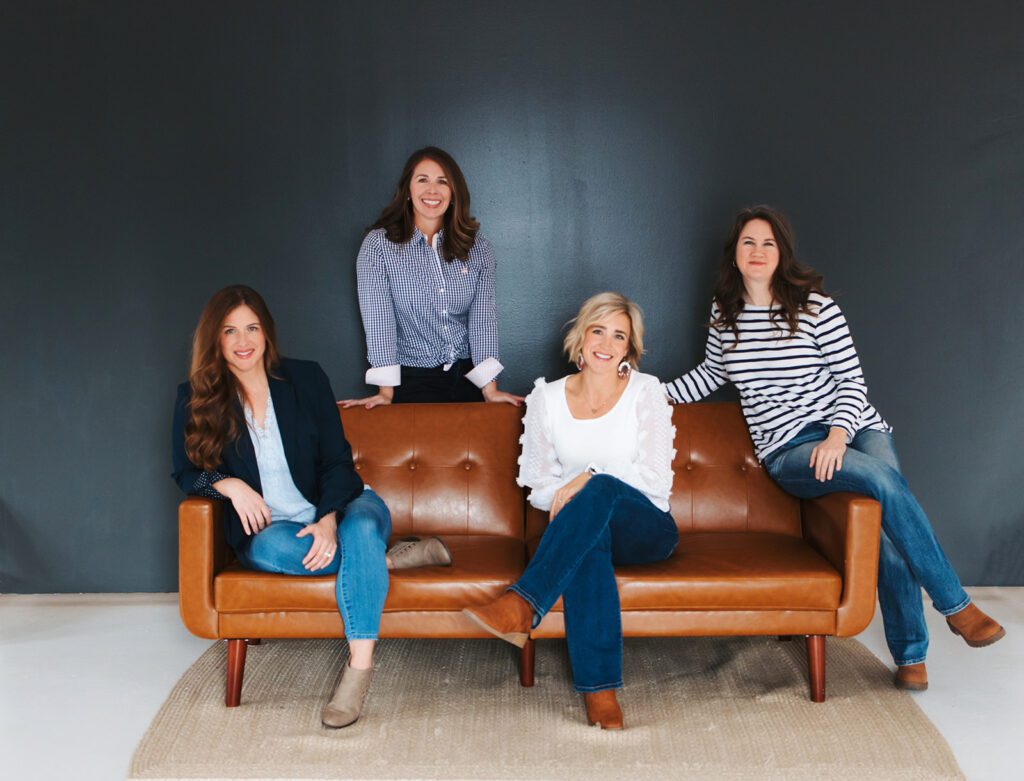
(696, 708)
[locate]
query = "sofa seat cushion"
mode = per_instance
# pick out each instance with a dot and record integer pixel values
(735, 571)
(482, 567)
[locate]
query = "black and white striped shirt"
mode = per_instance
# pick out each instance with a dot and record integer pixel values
(420, 310)
(785, 381)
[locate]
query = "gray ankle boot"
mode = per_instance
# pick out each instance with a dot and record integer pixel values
(347, 702)
(414, 552)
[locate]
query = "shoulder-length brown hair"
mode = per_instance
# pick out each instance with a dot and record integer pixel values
(214, 418)
(792, 283)
(460, 228)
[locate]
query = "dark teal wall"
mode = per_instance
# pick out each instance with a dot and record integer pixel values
(153, 152)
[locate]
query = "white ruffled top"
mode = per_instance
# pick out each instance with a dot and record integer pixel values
(632, 441)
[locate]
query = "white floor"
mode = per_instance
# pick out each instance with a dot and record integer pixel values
(82, 676)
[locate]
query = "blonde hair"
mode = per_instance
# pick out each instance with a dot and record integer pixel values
(597, 308)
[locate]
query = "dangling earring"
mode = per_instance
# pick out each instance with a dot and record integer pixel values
(579, 361)
(624, 369)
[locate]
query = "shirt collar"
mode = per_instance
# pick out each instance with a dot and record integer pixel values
(417, 236)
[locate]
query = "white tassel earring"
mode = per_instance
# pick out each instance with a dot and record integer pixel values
(624, 369)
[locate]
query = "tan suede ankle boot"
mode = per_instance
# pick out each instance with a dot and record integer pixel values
(347, 703)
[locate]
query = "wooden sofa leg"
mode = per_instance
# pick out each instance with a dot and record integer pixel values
(236, 670)
(526, 662)
(816, 666)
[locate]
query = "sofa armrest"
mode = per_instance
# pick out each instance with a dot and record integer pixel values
(202, 553)
(844, 528)
(536, 525)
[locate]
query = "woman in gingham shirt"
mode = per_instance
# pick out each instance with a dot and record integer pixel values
(426, 293)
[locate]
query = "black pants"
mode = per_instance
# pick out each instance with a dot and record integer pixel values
(436, 385)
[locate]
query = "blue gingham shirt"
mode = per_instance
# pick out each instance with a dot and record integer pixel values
(421, 310)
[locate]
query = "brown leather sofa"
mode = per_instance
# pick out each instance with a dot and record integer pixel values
(751, 559)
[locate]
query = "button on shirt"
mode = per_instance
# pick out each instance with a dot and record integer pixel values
(285, 501)
(421, 310)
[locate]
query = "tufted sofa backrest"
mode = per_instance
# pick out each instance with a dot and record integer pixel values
(442, 468)
(451, 469)
(719, 485)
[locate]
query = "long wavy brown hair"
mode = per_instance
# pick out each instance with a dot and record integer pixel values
(215, 418)
(792, 283)
(460, 228)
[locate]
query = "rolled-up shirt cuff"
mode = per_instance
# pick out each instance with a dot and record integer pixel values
(845, 425)
(203, 485)
(485, 371)
(385, 376)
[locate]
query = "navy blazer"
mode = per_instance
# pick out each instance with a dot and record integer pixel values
(319, 456)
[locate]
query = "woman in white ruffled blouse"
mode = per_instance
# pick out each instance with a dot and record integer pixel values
(597, 452)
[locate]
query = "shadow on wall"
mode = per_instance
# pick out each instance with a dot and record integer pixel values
(21, 564)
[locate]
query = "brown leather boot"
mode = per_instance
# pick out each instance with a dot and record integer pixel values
(509, 617)
(976, 628)
(912, 677)
(603, 709)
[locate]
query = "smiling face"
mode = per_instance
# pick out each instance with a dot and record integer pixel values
(606, 343)
(757, 252)
(430, 193)
(242, 341)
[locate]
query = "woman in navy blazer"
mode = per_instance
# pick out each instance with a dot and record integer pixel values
(262, 432)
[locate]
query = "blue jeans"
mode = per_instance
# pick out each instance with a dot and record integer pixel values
(608, 522)
(909, 553)
(362, 574)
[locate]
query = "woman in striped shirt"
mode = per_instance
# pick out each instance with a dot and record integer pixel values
(786, 347)
(426, 293)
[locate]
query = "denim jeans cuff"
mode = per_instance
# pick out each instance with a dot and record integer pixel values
(362, 636)
(905, 662)
(598, 688)
(952, 611)
(538, 614)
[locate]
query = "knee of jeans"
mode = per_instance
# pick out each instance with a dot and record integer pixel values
(603, 482)
(359, 527)
(888, 482)
(263, 551)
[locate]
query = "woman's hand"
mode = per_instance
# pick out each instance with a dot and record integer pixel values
(252, 510)
(384, 395)
(491, 393)
(325, 537)
(567, 492)
(827, 457)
